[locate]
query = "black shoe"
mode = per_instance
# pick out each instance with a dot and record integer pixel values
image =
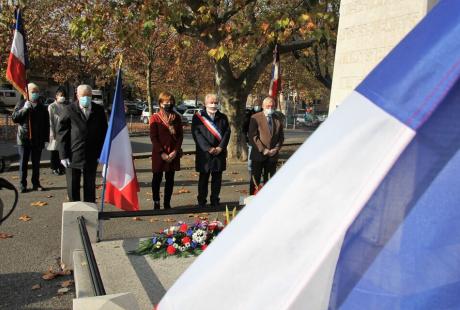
(39, 188)
(61, 172)
(201, 205)
(166, 206)
(23, 189)
(55, 172)
(156, 205)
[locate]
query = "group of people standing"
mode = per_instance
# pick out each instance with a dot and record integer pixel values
(75, 134)
(211, 133)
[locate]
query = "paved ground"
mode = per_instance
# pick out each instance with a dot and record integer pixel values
(35, 244)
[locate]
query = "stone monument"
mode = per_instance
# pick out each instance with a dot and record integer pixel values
(368, 31)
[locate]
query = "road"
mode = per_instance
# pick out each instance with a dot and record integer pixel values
(142, 144)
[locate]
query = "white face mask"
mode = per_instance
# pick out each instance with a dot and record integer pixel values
(268, 112)
(256, 108)
(60, 99)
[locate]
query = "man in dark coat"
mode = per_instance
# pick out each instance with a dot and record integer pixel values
(33, 131)
(211, 132)
(81, 134)
(266, 137)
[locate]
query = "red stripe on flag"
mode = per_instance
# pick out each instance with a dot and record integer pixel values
(125, 199)
(16, 74)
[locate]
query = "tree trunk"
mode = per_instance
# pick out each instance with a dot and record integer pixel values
(148, 80)
(234, 109)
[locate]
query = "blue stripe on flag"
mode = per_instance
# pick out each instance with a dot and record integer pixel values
(414, 77)
(117, 120)
(403, 250)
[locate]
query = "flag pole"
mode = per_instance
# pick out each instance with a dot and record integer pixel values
(104, 175)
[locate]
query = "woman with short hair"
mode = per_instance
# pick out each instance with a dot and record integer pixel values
(166, 135)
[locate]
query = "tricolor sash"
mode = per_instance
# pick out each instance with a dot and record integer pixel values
(210, 126)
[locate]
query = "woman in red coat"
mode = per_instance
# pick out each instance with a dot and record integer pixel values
(166, 135)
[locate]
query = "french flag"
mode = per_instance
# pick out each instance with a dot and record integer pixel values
(275, 82)
(18, 60)
(121, 185)
(370, 219)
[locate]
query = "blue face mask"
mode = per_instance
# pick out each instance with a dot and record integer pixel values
(85, 101)
(34, 96)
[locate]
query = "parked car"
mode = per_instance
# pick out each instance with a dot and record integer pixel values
(131, 108)
(188, 114)
(9, 97)
(145, 116)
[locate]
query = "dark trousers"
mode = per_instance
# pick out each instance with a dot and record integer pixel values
(73, 177)
(26, 151)
(216, 181)
(55, 161)
(266, 167)
(169, 185)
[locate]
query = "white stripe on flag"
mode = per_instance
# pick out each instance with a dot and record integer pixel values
(262, 252)
(17, 48)
(121, 170)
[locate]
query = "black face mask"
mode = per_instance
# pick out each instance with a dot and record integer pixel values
(167, 108)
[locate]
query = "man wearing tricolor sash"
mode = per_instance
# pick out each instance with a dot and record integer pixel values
(211, 132)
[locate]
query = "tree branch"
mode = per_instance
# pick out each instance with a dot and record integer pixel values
(264, 56)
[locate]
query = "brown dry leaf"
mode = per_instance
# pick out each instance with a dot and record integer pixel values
(204, 213)
(66, 283)
(234, 172)
(24, 218)
(99, 187)
(36, 287)
(152, 220)
(137, 219)
(149, 193)
(169, 220)
(38, 203)
(49, 275)
(242, 191)
(182, 191)
(5, 236)
(203, 218)
(49, 196)
(148, 199)
(191, 215)
(15, 178)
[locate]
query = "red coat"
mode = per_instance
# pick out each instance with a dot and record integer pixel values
(163, 141)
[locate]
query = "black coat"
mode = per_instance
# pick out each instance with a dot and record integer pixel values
(39, 120)
(81, 140)
(205, 162)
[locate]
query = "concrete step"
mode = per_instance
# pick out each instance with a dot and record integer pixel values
(148, 279)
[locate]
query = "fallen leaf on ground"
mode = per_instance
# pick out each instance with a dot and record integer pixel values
(169, 220)
(182, 191)
(149, 193)
(50, 274)
(204, 213)
(234, 172)
(15, 178)
(38, 203)
(24, 218)
(36, 287)
(153, 220)
(137, 219)
(191, 215)
(148, 199)
(63, 290)
(66, 283)
(49, 196)
(99, 187)
(242, 191)
(203, 218)
(5, 236)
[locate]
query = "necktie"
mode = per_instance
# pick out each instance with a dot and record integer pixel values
(270, 123)
(86, 112)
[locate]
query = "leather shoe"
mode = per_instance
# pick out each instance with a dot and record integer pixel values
(156, 205)
(39, 188)
(166, 206)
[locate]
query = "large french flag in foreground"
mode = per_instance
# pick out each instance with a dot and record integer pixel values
(18, 60)
(366, 214)
(121, 185)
